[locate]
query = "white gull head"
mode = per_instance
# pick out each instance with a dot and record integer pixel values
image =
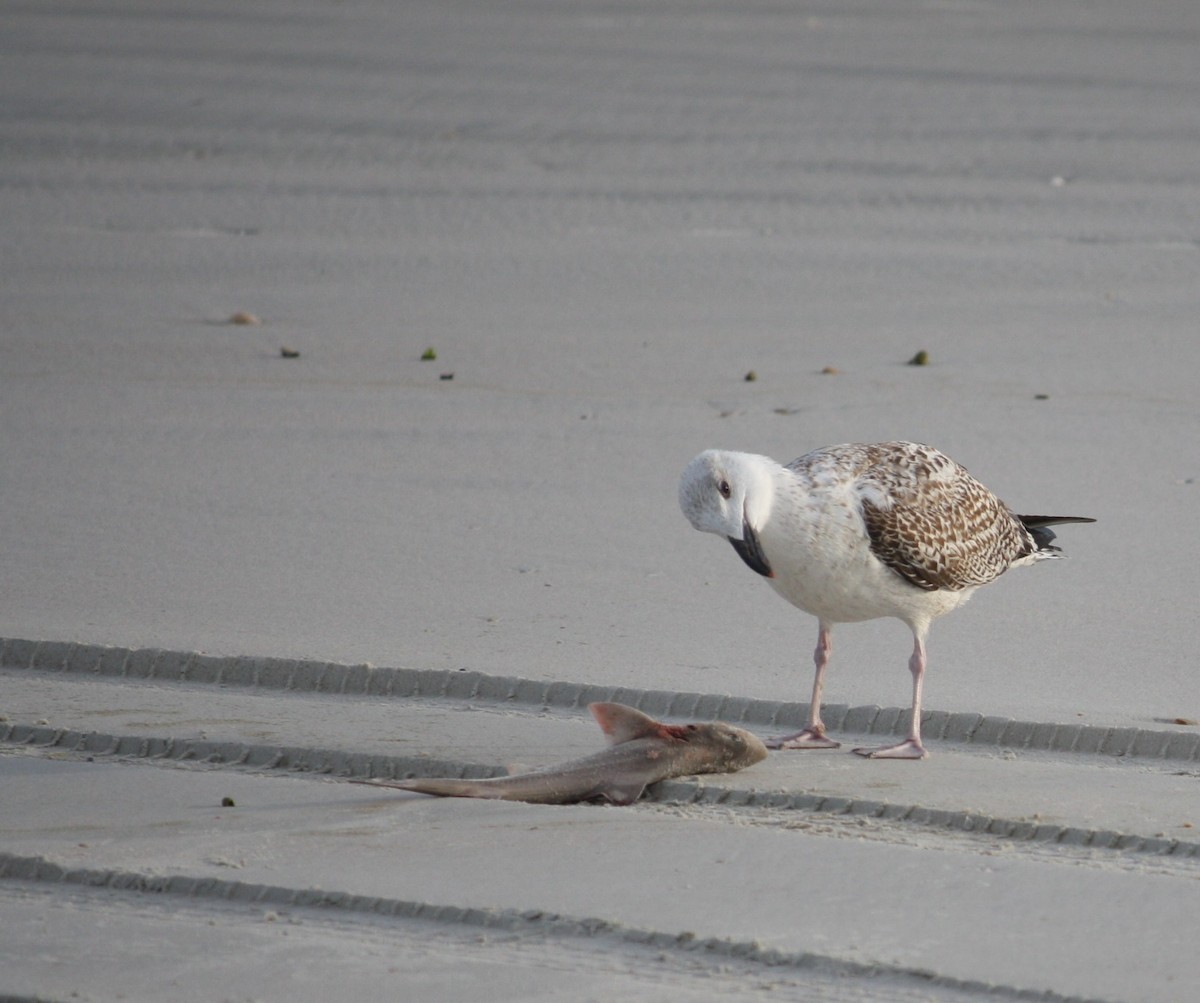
(731, 494)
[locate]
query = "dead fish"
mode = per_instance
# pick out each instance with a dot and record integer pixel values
(641, 752)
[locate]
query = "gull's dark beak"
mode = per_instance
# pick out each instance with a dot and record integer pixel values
(750, 550)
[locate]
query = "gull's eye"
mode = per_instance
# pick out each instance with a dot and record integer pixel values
(724, 488)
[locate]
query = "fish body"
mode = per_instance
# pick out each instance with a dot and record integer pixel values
(641, 752)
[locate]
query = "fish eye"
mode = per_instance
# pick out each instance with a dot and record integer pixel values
(724, 488)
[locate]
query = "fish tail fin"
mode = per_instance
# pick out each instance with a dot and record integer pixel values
(442, 787)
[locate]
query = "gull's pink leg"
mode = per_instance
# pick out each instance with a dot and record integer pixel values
(911, 747)
(813, 735)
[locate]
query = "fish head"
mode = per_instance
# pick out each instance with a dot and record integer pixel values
(710, 748)
(731, 495)
(721, 748)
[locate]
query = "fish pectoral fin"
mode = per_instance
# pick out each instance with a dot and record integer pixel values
(624, 724)
(623, 793)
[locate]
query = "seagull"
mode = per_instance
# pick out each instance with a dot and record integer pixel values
(861, 531)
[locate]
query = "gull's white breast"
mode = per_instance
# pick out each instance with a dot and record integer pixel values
(817, 544)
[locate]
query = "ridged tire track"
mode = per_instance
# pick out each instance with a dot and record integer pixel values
(542, 923)
(362, 765)
(299, 675)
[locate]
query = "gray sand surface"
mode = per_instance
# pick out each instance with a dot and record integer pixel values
(601, 217)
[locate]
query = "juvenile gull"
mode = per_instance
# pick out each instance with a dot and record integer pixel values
(861, 531)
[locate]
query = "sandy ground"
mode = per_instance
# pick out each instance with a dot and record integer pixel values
(601, 217)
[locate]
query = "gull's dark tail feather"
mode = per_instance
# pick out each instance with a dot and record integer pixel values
(1038, 526)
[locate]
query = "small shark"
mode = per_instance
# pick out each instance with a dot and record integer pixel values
(641, 752)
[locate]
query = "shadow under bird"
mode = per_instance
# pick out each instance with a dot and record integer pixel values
(861, 531)
(641, 752)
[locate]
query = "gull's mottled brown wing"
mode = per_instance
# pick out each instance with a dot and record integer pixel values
(932, 523)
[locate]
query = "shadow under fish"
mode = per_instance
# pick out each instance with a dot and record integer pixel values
(641, 752)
